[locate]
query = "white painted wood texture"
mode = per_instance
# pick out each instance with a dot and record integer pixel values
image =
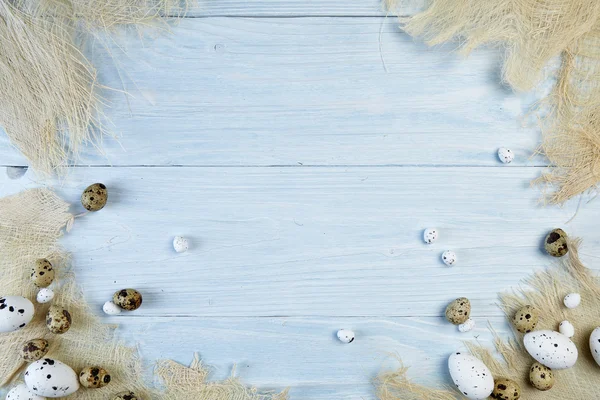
(303, 157)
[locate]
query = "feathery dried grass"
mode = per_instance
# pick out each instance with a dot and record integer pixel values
(532, 32)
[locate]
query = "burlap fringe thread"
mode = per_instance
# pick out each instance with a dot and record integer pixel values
(30, 225)
(532, 32)
(545, 292)
(51, 100)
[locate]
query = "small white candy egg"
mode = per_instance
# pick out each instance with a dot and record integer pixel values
(345, 335)
(572, 300)
(45, 295)
(505, 155)
(467, 326)
(181, 244)
(449, 257)
(567, 329)
(430, 235)
(111, 308)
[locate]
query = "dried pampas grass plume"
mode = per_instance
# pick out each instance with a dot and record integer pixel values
(50, 103)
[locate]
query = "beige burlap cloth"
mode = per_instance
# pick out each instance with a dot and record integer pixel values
(545, 291)
(532, 33)
(30, 225)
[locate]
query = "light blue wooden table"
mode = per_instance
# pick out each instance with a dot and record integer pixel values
(303, 146)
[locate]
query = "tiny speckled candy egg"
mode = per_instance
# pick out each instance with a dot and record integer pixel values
(541, 377)
(345, 335)
(45, 295)
(567, 329)
(128, 299)
(94, 377)
(34, 350)
(505, 155)
(506, 389)
(181, 244)
(525, 319)
(58, 320)
(556, 243)
(94, 197)
(42, 273)
(126, 396)
(21, 392)
(572, 300)
(458, 311)
(111, 308)
(449, 257)
(467, 326)
(430, 235)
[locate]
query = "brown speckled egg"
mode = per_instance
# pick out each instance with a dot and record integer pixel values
(128, 299)
(525, 319)
(34, 350)
(458, 311)
(94, 377)
(506, 389)
(556, 243)
(541, 377)
(126, 396)
(58, 320)
(94, 197)
(42, 273)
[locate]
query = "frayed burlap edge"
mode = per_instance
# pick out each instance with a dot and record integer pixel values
(31, 224)
(532, 33)
(545, 291)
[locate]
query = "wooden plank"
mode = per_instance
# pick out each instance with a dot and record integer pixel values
(312, 91)
(311, 241)
(303, 353)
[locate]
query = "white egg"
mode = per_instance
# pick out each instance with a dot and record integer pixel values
(505, 155)
(572, 300)
(449, 257)
(567, 329)
(345, 335)
(471, 376)
(15, 313)
(595, 345)
(181, 244)
(430, 235)
(467, 326)
(51, 378)
(552, 349)
(45, 295)
(111, 308)
(20, 392)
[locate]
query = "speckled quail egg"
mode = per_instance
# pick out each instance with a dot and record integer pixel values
(458, 311)
(58, 320)
(111, 308)
(506, 389)
(572, 300)
(34, 350)
(94, 197)
(567, 329)
(94, 377)
(556, 243)
(430, 235)
(541, 377)
(45, 295)
(526, 319)
(42, 273)
(466, 326)
(505, 155)
(181, 244)
(449, 257)
(128, 299)
(345, 335)
(126, 396)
